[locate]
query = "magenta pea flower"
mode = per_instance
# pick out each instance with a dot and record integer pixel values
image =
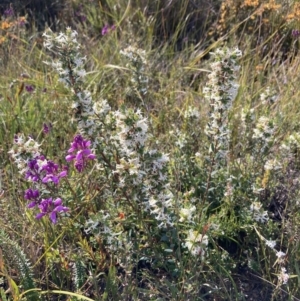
(50, 207)
(9, 12)
(42, 170)
(33, 196)
(47, 128)
(106, 29)
(80, 152)
(52, 173)
(29, 88)
(295, 33)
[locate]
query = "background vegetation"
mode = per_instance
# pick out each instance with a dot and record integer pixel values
(234, 196)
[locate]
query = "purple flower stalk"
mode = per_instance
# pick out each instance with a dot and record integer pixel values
(80, 152)
(48, 206)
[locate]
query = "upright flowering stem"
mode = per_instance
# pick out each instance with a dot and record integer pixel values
(70, 67)
(137, 63)
(220, 91)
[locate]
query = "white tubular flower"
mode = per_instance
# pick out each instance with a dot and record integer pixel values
(196, 243)
(271, 244)
(283, 277)
(272, 164)
(186, 214)
(280, 255)
(101, 107)
(258, 213)
(192, 112)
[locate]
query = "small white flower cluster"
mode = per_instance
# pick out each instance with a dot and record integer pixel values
(272, 164)
(101, 107)
(196, 243)
(263, 133)
(268, 97)
(221, 91)
(70, 64)
(60, 40)
(283, 277)
(192, 113)
(91, 114)
(135, 54)
(186, 214)
(182, 139)
(115, 240)
(131, 135)
(290, 146)
(24, 150)
(132, 130)
(160, 206)
(258, 213)
(142, 168)
(271, 243)
(137, 64)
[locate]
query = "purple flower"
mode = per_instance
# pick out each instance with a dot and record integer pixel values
(22, 21)
(295, 33)
(33, 173)
(80, 152)
(9, 12)
(47, 128)
(106, 29)
(52, 173)
(33, 196)
(48, 206)
(42, 170)
(29, 88)
(81, 16)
